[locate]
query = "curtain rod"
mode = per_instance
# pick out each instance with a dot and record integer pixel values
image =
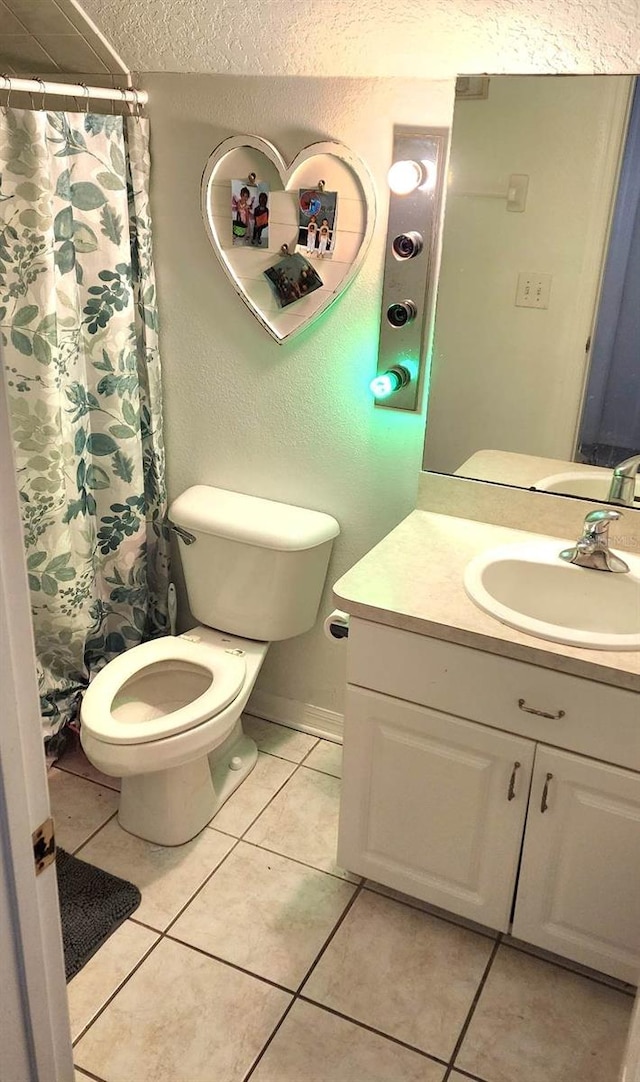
(105, 93)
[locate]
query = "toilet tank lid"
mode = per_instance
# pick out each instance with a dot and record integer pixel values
(251, 519)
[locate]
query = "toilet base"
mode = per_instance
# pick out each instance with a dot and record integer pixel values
(169, 807)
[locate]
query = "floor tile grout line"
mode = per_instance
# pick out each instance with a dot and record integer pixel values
(271, 799)
(83, 777)
(555, 960)
(489, 933)
(201, 886)
(228, 962)
(240, 837)
(470, 1012)
(251, 973)
(345, 912)
(116, 992)
(91, 836)
(523, 948)
(265, 1046)
(464, 1074)
(303, 863)
(86, 1073)
(372, 1029)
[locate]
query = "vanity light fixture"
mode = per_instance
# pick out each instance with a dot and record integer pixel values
(416, 179)
(387, 383)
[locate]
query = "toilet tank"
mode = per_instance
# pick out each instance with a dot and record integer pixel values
(255, 568)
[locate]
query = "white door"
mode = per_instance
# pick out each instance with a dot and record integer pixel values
(579, 888)
(35, 1045)
(433, 805)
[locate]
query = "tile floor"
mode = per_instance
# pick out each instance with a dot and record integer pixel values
(254, 956)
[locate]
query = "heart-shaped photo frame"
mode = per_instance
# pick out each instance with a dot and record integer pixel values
(326, 166)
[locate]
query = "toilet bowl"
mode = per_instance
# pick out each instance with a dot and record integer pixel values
(165, 716)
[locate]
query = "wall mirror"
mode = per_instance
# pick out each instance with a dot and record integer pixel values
(535, 377)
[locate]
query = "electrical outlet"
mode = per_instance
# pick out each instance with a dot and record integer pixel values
(533, 290)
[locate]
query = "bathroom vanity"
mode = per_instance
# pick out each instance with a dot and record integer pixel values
(491, 774)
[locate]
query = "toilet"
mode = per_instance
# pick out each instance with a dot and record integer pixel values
(165, 716)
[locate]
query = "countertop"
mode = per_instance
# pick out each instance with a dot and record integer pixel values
(526, 471)
(413, 580)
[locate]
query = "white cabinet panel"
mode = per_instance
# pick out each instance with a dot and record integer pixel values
(429, 805)
(579, 887)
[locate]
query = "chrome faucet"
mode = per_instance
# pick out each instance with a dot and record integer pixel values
(592, 549)
(623, 483)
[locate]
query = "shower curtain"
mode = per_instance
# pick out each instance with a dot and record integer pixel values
(78, 321)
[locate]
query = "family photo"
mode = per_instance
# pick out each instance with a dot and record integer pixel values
(292, 278)
(316, 222)
(249, 214)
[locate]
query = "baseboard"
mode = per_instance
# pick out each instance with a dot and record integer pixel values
(296, 715)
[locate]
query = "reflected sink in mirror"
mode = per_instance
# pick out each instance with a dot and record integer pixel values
(593, 484)
(530, 588)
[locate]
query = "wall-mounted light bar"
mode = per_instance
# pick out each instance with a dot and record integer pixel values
(415, 182)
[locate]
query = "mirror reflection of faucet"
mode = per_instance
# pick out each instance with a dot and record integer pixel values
(592, 549)
(623, 482)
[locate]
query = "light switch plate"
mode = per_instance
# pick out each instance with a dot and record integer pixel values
(533, 290)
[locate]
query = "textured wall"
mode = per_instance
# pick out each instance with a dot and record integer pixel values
(292, 422)
(437, 38)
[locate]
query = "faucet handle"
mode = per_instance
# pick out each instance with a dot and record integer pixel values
(592, 549)
(596, 523)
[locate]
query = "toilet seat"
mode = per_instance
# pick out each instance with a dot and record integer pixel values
(214, 674)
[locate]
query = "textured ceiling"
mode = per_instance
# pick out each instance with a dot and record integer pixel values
(434, 38)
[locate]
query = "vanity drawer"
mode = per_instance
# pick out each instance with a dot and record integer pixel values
(585, 716)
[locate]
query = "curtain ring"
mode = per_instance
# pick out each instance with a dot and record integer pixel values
(44, 91)
(136, 107)
(87, 95)
(7, 87)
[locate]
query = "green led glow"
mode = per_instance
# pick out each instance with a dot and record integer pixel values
(384, 385)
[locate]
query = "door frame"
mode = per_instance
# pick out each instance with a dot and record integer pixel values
(37, 1043)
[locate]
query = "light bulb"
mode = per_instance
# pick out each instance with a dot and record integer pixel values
(404, 177)
(386, 383)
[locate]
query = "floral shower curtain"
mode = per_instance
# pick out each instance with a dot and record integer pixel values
(79, 330)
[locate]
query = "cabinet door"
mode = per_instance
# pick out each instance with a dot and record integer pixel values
(579, 887)
(433, 805)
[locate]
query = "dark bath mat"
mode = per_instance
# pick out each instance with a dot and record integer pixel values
(93, 904)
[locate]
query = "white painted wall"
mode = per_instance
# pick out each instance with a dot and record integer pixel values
(434, 38)
(292, 422)
(506, 377)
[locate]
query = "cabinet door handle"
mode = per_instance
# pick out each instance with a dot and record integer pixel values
(512, 783)
(545, 793)
(540, 713)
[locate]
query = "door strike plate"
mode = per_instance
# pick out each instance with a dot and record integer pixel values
(44, 846)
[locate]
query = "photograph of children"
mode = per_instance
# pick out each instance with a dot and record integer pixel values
(250, 213)
(316, 222)
(292, 278)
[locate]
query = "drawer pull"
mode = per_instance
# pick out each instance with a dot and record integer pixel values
(545, 793)
(540, 713)
(512, 783)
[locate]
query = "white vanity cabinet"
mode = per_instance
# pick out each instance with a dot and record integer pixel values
(495, 789)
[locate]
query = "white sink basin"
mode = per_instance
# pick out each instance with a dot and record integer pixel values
(530, 588)
(594, 484)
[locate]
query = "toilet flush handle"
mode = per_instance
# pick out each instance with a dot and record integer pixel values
(183, 534)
